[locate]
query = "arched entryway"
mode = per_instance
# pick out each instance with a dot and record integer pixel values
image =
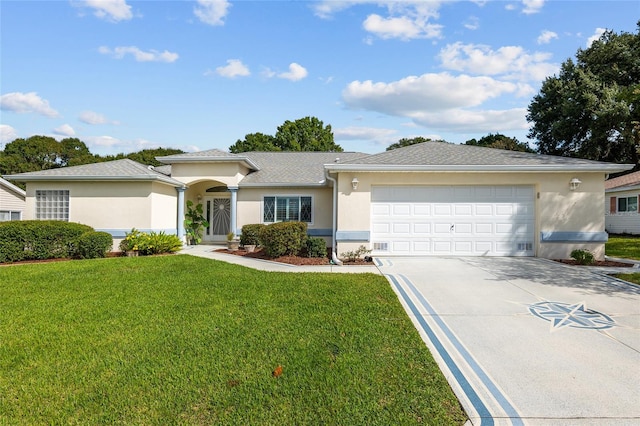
(219, 208)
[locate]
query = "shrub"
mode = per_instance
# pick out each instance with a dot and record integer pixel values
(316, 247)
(283, 238)
(92, 245)
(251, 234)
(583, 257)
(150, 243)
(39, 239)
(352, 256)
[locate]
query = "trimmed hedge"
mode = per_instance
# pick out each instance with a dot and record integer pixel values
(39, 239)
(251, 234)
(316, 247)
(283, 238)
(92, 245)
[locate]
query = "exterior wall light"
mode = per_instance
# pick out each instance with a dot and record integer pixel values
(354, 183)
(574, 184)
(199, 198)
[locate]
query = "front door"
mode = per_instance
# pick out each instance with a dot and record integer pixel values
(218, 213)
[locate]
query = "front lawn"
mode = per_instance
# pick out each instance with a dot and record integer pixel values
(626, 246)
(632, 278)
(185, 340)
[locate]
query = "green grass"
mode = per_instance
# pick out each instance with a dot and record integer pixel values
(626, 246)
(632, 278)
(184, 340)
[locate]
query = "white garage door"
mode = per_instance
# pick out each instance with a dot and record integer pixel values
(452, 220)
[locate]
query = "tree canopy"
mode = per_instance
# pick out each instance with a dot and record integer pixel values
(592, 108)
(44, 152)
(500, 141)
(410, 141)
(303, 134)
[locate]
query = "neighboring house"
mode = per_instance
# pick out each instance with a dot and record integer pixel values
(622, 214)
(432, 198)
(12, 201)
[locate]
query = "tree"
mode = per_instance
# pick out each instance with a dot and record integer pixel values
(148, 156)
(409, 141)
(306, 134)
(500, 141)
(31, 154)
(254, 142)
(592, 108)
(74, 152)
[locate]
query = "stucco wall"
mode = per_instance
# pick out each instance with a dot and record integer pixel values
(250, 205)
(558, 209)
(113, 206)
(624, 222)
(228, 174)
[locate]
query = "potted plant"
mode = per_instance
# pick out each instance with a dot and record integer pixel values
(232, 243)
(194, 223)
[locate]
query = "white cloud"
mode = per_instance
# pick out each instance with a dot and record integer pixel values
(64, 130)
(596, 36)
(139, 55)
(296, 72)
(532, 6)
(110, 10)
(362, 133)
(472, 23)
(234, 68)
(511, 62)
(405, 20)
(439, 101)
(7, 134)
(91, 117)
(546, 36)
(212, 12)
(27, 102)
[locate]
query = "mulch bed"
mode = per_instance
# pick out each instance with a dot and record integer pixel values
(291, 260)
(609, 263)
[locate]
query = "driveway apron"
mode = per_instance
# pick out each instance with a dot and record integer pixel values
(527, 341)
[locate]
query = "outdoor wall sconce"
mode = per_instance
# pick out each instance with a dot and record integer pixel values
(199, 197)
(574, 184)
(354, 183)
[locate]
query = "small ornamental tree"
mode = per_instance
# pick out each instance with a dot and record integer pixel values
(195, 222)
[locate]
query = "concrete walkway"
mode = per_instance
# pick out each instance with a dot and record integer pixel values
(527, 341)
(209, 252)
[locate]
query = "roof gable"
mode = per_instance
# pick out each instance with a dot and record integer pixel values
(443, 156)
(124, 169)
(631, 179)
(11, 187)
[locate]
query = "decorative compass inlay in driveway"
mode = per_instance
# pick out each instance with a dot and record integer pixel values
(571, 315)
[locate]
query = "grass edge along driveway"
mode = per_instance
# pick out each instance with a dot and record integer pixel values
(627, 247)
(180, 339)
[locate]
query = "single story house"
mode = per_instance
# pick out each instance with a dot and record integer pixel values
(622, 214)
(12, 201)
(433, 198)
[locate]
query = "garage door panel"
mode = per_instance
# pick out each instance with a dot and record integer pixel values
(449, 220)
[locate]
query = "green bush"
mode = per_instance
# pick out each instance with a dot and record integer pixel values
(39, 239)
(316, 247)
(150, 243)
(583, 257)
(251, 234)
(283, 238)
(92, 245)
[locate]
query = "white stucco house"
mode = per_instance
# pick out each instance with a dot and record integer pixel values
(432, 198)
(622, 214)
(12, 201)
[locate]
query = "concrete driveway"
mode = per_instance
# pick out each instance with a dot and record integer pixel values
(527, 341)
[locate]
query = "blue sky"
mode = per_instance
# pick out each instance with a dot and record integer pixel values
(126, 75)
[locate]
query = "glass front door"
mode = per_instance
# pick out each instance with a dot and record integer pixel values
(218, 214)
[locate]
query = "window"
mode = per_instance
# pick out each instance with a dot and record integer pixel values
(52, 205)
(627, 204)
(287, 209)
(7, 215)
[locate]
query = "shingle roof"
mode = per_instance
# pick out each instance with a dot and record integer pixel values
(208, 156)
(293, 168)
(442, 156)
(630, 179)
(124, 169)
